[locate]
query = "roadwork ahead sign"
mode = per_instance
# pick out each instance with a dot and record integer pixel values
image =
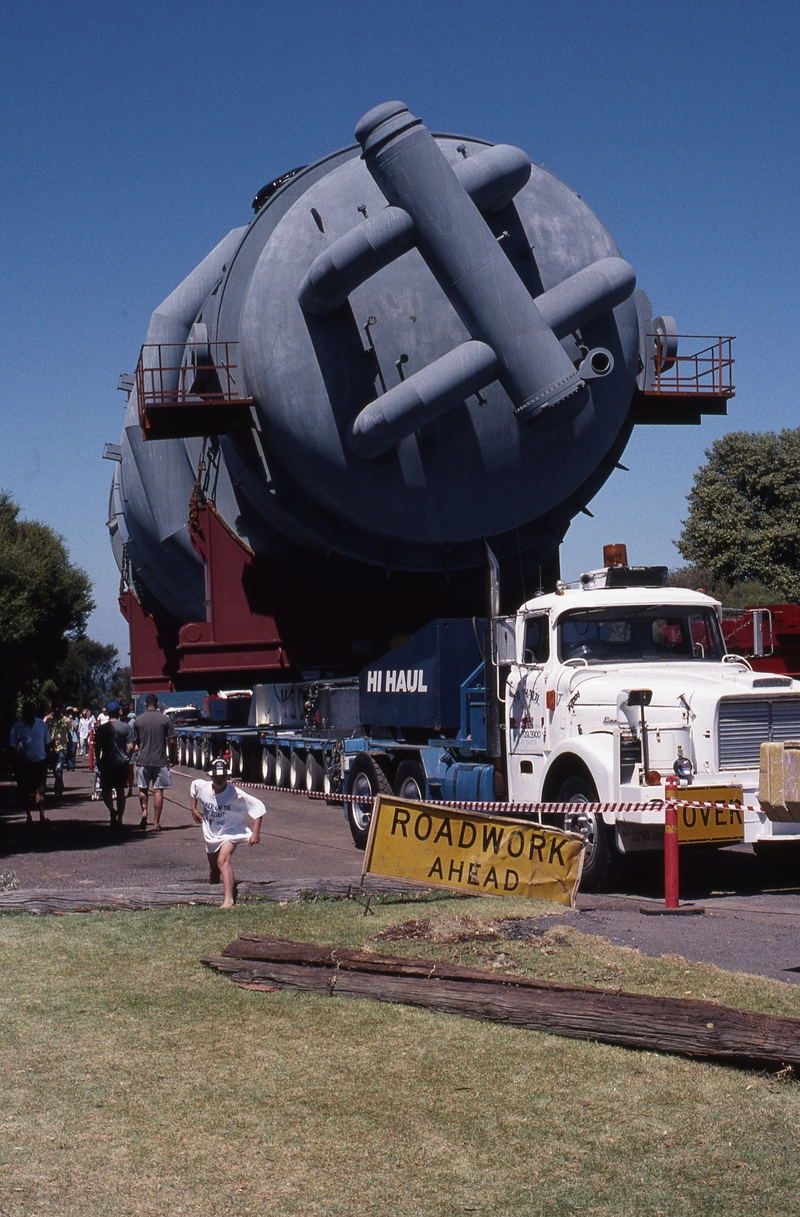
(469, 852)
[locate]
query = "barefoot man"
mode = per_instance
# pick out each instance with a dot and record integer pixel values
(223, 809)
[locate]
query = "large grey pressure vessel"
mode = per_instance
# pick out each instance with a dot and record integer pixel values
(437, 343)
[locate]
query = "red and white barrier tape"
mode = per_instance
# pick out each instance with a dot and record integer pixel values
(526, 809)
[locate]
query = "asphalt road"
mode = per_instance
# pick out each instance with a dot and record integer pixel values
(747, 926)
(300, 838)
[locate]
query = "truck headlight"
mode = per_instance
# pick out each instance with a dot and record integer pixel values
(683, 768)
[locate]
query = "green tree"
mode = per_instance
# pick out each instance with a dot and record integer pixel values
(87, 673)
(744, 511)
(44, 601)
(731, 595)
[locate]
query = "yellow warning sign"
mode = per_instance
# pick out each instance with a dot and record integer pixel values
(469, 852)
(712, 824)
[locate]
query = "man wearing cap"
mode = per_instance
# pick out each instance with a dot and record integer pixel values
(223, 810)
(151, 731)
(113, 742)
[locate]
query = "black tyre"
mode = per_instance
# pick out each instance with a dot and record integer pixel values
(598, 855)
(235, 761)
(367, 780)
(297, 771)
(281, 767)
(409, 782)
(315, 774)
(268, 766)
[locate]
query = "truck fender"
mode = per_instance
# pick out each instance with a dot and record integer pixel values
(589, 755)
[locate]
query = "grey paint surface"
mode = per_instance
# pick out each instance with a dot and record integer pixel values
(460, 459)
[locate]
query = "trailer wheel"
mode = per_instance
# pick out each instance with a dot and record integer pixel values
(597, 857)
(297, 771)
(410, 781)
(268, 766)
(315, 774)
(281, 767)
(366, 779)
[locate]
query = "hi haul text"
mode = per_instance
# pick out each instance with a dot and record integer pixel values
(402, 681)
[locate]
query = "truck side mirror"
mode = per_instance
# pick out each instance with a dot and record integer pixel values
(505, 641)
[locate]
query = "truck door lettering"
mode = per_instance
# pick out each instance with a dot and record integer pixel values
(492, 836)
(444, 831)
(421, 688)
(391, 677)
(421, 818)
(463, 843)
(400, 687)
(400, 818)
(412, 680)
(374, 681)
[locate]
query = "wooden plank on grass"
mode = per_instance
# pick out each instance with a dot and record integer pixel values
(632, 1020)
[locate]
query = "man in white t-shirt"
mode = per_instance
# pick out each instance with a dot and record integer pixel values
(223, 810)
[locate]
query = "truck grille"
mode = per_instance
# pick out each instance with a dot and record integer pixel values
(745, 725)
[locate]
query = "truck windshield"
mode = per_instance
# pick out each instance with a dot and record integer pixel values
(657, 633)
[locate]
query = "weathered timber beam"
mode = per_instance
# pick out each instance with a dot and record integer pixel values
(631, 1020)
(281, 950)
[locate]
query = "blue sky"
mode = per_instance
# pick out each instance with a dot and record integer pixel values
(135, 136)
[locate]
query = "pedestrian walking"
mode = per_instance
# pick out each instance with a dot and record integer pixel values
(60, 729)
(112, 745)
(223, 811)
(151, 731)
(30, 742)
(85, 724)
(72, 714)
(130, 718)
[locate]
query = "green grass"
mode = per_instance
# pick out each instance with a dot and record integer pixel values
(137, 1082)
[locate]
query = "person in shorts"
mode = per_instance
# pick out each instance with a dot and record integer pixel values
(113, 742)
(30, 743)
(151, 731)
(223, 811)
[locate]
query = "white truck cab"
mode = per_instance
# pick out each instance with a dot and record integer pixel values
(611, 688)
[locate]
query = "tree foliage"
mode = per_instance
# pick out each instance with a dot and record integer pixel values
(44, 601)
(731, 595)
(744, 511)
(90, 675)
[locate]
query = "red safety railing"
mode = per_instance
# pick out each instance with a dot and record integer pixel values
(706, 372)
(190, 388)
(171, 374)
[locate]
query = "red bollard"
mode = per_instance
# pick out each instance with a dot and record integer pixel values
(671, 881)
